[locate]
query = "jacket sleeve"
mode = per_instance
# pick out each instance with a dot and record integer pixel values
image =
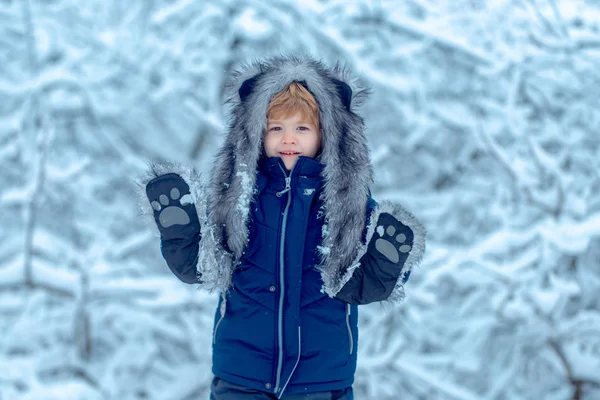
(181, 256)
(171, 198)
(375, 280)
(395, 243)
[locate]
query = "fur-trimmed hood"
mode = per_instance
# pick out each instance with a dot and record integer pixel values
(223, 201)
(347, 172)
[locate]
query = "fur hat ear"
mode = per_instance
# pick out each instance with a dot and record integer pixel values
(247, 87)
(345, 92)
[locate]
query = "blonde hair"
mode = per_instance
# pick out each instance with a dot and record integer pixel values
(295, 99)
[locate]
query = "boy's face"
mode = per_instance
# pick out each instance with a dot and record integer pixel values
(290, 138)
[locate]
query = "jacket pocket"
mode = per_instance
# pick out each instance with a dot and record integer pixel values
(350, 338)
(222, 311)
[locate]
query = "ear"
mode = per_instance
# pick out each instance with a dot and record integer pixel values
(345, 93)
(247, 87)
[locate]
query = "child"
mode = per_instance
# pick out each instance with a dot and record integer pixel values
(287, 233)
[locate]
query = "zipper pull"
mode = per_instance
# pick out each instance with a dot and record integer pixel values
(288, 181)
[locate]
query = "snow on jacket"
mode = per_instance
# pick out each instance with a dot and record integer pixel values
(282, 250)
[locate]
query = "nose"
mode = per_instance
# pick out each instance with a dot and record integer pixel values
(288, 137)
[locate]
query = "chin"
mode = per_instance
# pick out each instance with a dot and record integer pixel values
(289, 165)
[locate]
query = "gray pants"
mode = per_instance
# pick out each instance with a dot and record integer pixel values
(223, 390)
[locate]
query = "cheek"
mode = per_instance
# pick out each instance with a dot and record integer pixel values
(268, 146)
(317, 145)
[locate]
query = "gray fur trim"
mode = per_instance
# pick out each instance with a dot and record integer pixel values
(347, 173)
(414, 257)
(215, 264)
(360, 91)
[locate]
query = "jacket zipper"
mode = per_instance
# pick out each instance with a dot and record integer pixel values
(351, 339)
(297, 361)
(288, 180)
(222, 309)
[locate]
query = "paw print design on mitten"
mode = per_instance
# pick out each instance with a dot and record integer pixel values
(173, 205)
(392, 243)
(172, 214)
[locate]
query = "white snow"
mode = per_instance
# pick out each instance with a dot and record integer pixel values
(482, 121)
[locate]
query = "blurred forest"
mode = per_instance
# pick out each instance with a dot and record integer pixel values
(484, 121)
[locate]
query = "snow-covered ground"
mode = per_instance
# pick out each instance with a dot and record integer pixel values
(484, 121)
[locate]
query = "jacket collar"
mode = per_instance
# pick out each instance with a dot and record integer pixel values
(274, 168)
(272, 173)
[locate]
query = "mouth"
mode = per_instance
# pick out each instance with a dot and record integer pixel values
(289, 153)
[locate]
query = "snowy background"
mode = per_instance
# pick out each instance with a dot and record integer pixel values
(484, 121)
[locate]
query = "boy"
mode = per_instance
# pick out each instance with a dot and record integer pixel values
(287, 233)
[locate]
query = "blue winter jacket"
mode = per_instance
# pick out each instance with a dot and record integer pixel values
(276, 328)
(282, 325)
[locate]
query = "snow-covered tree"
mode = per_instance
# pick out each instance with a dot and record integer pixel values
(498, 130)
(483, 121)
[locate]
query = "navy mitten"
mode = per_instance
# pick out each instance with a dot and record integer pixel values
(390, 245)
(381, 266)
(174, 211)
